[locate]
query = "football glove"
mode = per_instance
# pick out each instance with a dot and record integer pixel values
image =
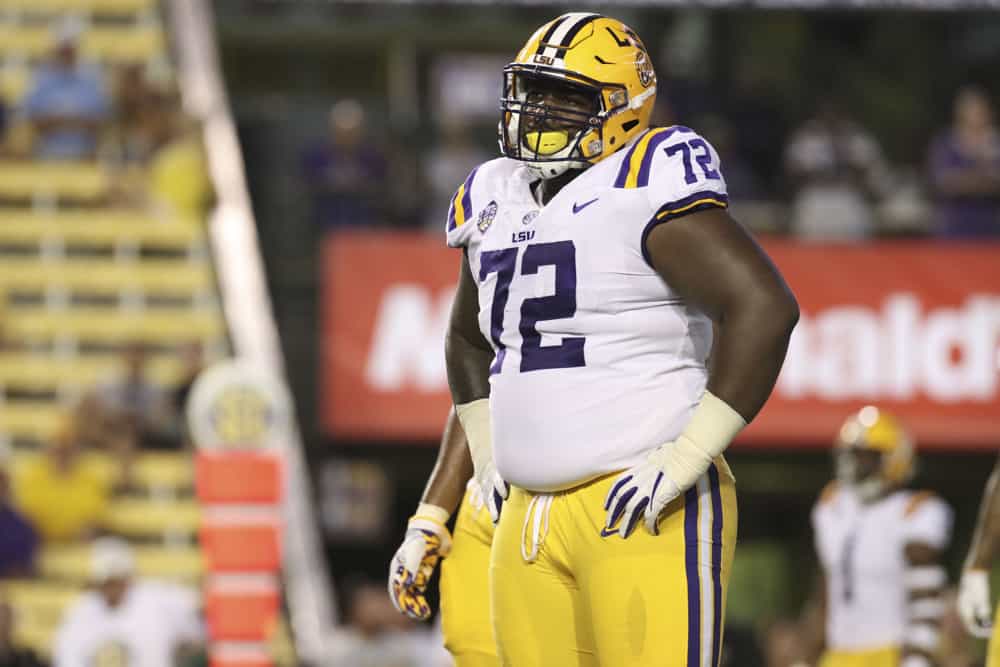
(641, 492)
(974, 602)
(475, 418)
(427, 540)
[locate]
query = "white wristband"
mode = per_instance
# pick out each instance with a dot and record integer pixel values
(433, 512)
(713, 425)
(475, 419)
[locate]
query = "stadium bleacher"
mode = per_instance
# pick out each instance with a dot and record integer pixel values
(80, 278)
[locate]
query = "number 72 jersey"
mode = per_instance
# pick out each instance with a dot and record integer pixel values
(597, 360)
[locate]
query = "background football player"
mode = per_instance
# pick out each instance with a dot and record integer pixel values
(974, 603)
(597, 255)
(880, 548)
(465, 620)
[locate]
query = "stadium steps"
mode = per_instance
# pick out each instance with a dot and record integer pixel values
(90, 7)
(84, 182)
(112, 326)
(71, 563)
(105, 43)
(48, 372)
(152, 520)
(111, 229)
(159, 276)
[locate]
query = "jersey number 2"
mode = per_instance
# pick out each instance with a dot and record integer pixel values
(561, 304)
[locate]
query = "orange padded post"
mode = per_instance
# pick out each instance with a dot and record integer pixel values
(247, 477)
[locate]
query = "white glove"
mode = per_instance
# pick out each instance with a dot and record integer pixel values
(671, 469)
(475, 418)
(427, 540)
(974, 603)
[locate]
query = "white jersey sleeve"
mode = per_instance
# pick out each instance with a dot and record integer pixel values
(679, 171)
(473, 208)
(927, 520)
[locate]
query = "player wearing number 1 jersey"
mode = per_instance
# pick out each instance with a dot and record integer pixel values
(880, 547)
(597, 255)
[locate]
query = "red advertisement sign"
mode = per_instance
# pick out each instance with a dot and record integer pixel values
(913, 327)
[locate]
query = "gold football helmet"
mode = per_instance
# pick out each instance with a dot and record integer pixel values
(876, 431)
(591, 54)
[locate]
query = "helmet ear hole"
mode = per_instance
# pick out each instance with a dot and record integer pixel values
(629, 124)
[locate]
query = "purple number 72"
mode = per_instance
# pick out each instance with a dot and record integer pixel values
(702, 156)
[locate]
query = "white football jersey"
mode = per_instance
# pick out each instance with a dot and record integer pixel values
(597, 360)
(861, 548)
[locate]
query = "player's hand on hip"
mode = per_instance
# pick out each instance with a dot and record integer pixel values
(643, 491)
(974, 602)
(492, 488)
(426, 541)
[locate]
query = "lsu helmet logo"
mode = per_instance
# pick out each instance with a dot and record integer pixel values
(645, 70)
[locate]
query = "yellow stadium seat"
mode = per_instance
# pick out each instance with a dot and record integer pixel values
(139, 518)
(164, 471)
(113, 43)
(97, 228)
(71, 563)
(173, 276)
(81, 6)
(113, 327)
(40, 372)
(31, 421)
(28, 41)
(124, 44)
(83, 181)
(14, 83)
(38, 608)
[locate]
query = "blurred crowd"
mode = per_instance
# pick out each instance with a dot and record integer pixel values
(126, 116)
(61, 496)
(827, 180)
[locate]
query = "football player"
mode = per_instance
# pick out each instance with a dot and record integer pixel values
(598, 252)
(465, 610)
(880, 548)
(974, 590)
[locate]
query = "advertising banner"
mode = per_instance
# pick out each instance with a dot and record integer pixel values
(913, 327)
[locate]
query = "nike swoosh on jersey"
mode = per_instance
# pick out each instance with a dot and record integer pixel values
(579, 207)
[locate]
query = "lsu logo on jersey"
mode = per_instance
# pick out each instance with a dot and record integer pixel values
(486, 217)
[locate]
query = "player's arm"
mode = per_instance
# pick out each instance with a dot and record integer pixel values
(974, 590)
(468, 357)
(427, 539)
(925, 579)
(713, 264)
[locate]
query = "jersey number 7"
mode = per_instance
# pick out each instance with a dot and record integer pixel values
(559, 305)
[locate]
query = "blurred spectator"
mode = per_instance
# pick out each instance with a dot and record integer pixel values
(18, 540)
(346, 174)
(10, 654)
(64, 492)
(836, 168)
(66, 103)
(446, 166)
(133, 97)
(132, 405)
(122, 621)
(193, 360)
(965, 170)
(378, 636)
(178, 173)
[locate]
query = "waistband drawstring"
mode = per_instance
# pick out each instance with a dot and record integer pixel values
(538, 515)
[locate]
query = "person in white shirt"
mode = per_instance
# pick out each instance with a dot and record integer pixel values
(122, 621)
